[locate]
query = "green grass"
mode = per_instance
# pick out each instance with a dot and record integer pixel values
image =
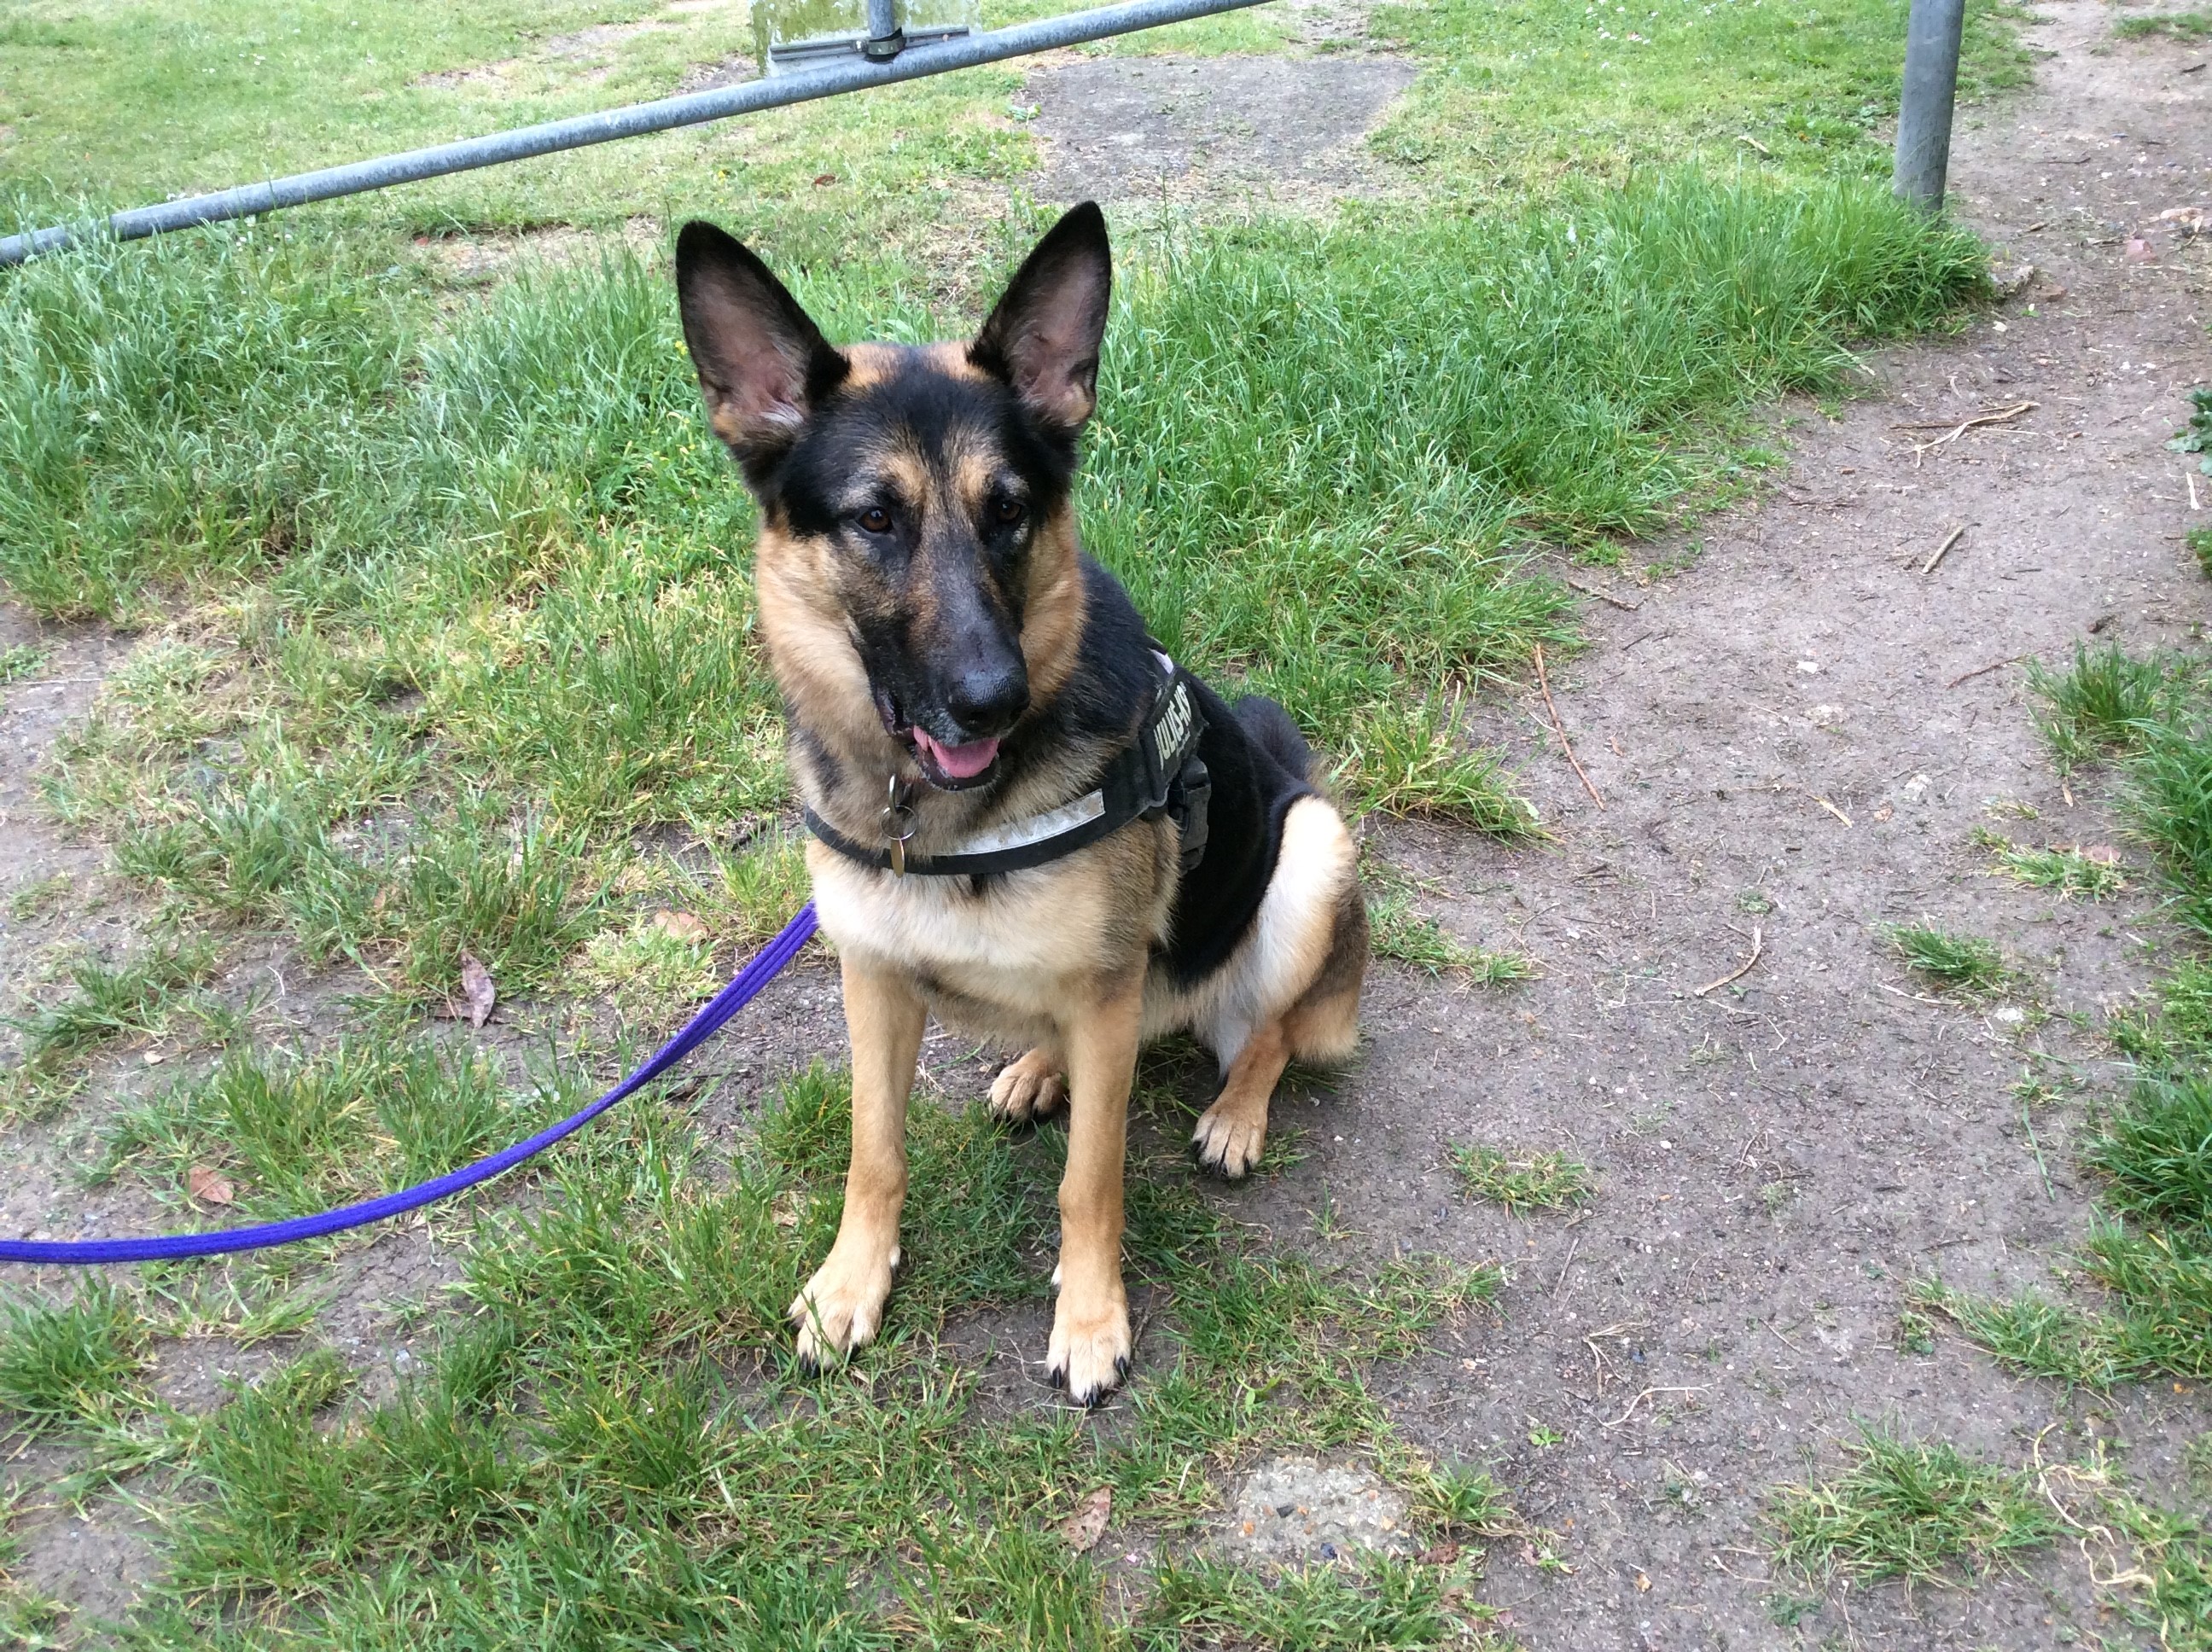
(140, 997)
(2175, 25)
(295, 1134)
(68, 1364)
(613, 1440)
(2200, 546)
(1536, 90)
(2148, 1258)
(27, 1619)
(1927, 1512)
(132, 105)
(2096, 704)
(1380, 1604)
(1547, 1181)
(2096, 875)
(1912, 1509)
(1965, 964)
(20, 663)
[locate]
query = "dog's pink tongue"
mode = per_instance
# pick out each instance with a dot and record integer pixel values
(962, 763)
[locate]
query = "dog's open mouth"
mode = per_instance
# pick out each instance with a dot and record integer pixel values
(947, 767)
(955, 765)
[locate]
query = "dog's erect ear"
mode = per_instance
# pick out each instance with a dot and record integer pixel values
(1043, 337)
(762, 363)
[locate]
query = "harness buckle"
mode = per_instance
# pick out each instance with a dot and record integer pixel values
(1187, 803)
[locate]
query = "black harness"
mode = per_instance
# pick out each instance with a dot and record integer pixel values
(1161, 773)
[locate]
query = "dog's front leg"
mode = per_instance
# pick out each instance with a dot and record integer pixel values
(1090, 1350)
(842, 1305)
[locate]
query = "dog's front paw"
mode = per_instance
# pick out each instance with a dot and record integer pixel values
(1228, 1140)
(841, 1307)
(1031, 1087)
(1090, 1350)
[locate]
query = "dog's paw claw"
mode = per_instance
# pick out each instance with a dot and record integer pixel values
(840, 1310)
(1031, 1086)
(1089, 1354)
(1226, 1145)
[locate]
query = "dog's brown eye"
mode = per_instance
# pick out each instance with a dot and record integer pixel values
(1009, 512)
(876, 520)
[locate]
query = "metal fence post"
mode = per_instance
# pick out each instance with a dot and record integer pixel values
(886, 39)
(1924, 113)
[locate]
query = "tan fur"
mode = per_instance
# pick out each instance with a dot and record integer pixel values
(871, 364)
(1052, 618)
(842, 1305)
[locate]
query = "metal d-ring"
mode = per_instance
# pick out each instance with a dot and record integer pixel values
(898, 820)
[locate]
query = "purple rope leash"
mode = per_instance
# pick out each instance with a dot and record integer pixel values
(766, 965)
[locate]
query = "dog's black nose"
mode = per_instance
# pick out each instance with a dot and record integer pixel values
(987, 699)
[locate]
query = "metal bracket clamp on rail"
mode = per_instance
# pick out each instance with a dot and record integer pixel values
(918, 59)
(765, 966)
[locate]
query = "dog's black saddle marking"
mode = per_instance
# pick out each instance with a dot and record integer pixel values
(1159, 773)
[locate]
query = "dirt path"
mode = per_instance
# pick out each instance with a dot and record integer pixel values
(1777, 1159)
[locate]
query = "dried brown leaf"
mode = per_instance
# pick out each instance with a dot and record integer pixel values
(478, 990)
(1087, 1524)
(209, 1186)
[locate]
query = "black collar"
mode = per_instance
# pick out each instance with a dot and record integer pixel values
(1159, 773)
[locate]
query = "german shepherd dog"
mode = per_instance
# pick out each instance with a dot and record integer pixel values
(940, 639)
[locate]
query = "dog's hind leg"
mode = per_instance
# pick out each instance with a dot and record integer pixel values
(1328, 927)
(842, 1305)
(1031, 1086)
(1232, 1133)
(1090, 1350)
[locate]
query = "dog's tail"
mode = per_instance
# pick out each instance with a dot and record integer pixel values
(1268, 726)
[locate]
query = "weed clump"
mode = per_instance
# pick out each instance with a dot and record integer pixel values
(2095, 873)
(2150, 1253)
(70, 1364)
(2179, 26)
(141, 996)
(2099, 703)
(1911, 1509)
(1964, 964)
(1549, 1182)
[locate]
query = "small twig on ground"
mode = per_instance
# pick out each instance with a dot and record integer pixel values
(1561, 728)
(1943, 550)
(1569, 1262)
(2190, 477)
(1756, 946)
(1602, 596)
(1746, 137)
(1987, 416)
(1784, 1341)
(1952, 433)
(1695, 1388)
(1983, 670)
(1830, 807)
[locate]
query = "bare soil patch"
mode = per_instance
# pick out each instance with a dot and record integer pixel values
(1175, 128)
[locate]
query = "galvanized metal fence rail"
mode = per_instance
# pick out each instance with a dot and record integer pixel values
(936, 57)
